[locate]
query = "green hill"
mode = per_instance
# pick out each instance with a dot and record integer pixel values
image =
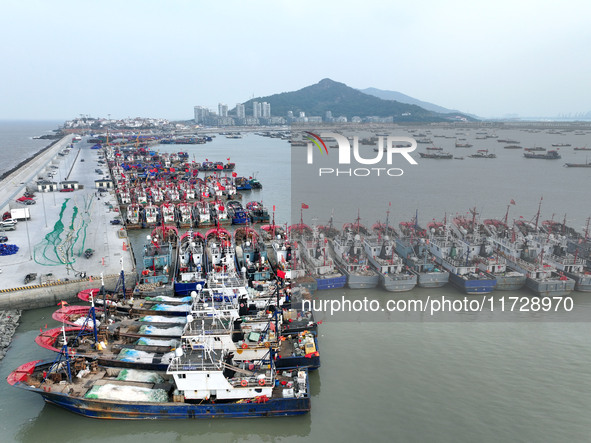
(342, 100)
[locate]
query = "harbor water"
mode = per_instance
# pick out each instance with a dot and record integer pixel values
(486, 376)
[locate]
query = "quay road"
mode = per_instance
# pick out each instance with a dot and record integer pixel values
(61, 227)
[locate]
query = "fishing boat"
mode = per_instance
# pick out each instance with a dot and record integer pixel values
(542, 278)
(483, 153)
(220, 213)
(454, 256)
(412, 247)
(577, 243)
(151, 215)
(242, 184)
(283, 257)
(438, 155)
(318, 262)
(191, 263)
(570, 265)
(202, 213)
(257, 212)
(134, 212)
(251, 254)
(237, 212)
(394, 275)
(472, 236)
(124, 352)
(587, 164)
(200, 383)
(550, 155)
(352, 260)
(255, 183)
(220, 252)
(167, 213)
(184, 215)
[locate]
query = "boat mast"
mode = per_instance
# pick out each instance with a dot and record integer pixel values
(507, 214)
(538, 213)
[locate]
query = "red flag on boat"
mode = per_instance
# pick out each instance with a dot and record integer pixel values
(234, 174)
(281, 274)
(513, 202)
(273, 208)
(305, 206)
(220, 167)
(228, 158)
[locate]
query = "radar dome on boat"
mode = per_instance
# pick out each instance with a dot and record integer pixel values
(178, 352)
(189, 318)
(357, 237)
(148, 237)
(199, 287)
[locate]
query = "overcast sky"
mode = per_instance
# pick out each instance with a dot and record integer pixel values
(146, 58)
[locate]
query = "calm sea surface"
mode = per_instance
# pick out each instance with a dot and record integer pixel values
(485, 377)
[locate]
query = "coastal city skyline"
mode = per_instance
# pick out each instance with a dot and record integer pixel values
(487, 59)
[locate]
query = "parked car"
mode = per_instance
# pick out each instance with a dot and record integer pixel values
(9, 221)
(98, 171)
(29, 202)
(30, 277)
(23, 199)
(116, 222)
(3, 239)
(67, 190)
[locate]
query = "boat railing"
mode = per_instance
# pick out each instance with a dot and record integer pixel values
(574, 261)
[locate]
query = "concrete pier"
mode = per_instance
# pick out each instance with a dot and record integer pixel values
(62, 225)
